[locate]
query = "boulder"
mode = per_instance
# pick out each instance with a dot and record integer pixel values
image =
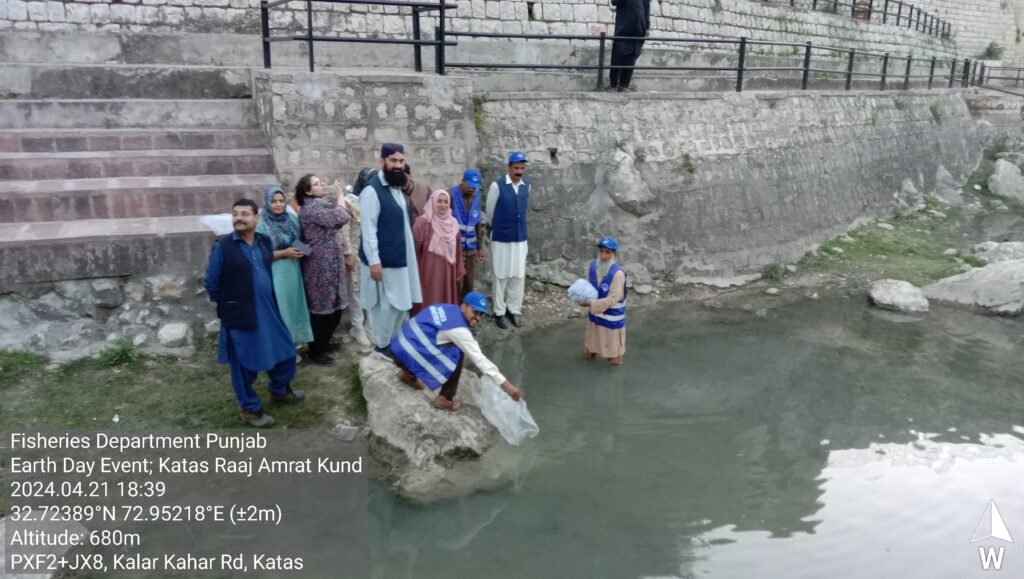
(947, 187)
(1006, 181)
(996, 288)
(107, 293)
(897, 295)
(992, 252)
(626, 185)
(174, 335)
(167, 286)
(427, 453)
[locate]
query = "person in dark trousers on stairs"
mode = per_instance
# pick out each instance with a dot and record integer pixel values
(632, 18)
(253, 336)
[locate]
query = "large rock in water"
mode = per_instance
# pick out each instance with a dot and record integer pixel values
(897, 295)
(430, 454)
(995, 287)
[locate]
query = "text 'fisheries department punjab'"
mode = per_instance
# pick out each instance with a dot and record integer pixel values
(223, 503)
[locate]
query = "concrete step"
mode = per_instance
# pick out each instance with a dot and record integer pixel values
(42, 141)
(151, 163)
(126, 197)
(62, 250)
(128, 113)
(97, 81)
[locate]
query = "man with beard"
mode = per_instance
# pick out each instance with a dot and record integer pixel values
(253, 336)
(632, 18)
(506, 205)
(606, 330)
(390, 281)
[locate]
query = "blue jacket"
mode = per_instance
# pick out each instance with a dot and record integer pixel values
(229, 280)
(615, 316)
(417, 348)
(508, 224)
(390, 229)
(468, 218)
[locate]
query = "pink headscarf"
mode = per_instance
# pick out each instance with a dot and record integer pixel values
(445, 226)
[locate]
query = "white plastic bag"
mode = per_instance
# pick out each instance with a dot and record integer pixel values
(580, 290)
(511, 418)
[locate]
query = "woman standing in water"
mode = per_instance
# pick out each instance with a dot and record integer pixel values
(282, 227)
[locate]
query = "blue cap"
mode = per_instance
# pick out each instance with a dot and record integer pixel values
(516, 157)
(609, 242)
(472, 178)
(477, 301)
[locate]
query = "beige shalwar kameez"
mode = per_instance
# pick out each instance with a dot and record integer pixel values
(606, 342)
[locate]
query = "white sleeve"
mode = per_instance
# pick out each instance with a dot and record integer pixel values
(492, 201)
(370, 206)
(464, 339)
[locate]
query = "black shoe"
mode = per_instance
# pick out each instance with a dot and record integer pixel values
(500, 322)
(513, 318)
(289, 396)
(322, 360)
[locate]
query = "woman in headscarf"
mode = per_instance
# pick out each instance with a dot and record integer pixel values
(282, 227)
(323, 271)
(438, 252)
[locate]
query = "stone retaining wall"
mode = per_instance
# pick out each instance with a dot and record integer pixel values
(758, 20)
(713, 188)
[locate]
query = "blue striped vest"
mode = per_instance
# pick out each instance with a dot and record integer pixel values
(467, 218)
(615, 316)
(416, 345)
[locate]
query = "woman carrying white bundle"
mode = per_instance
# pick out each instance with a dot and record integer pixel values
(606, 329)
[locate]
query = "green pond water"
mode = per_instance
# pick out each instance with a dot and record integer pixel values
(826, 439)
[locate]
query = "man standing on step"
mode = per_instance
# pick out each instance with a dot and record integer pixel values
(632, 18)
(506, 205)
(253, 336)
(390, 281)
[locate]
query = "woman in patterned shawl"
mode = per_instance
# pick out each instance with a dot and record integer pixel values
(323, 271)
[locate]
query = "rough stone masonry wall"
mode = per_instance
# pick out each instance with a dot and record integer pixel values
(675, 18)
(713, 188)
(976, 23)
(333, 125)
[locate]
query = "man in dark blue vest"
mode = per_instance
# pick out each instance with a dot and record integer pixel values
(467, 211)
(390, 279)
(507, 199)
(253, 336)
(431, 349)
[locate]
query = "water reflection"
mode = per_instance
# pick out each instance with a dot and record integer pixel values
(739, 445)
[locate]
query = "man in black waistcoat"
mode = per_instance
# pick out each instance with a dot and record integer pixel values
(253, 336)
(632, 18)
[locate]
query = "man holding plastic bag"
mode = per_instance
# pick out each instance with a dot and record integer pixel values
(431, 347)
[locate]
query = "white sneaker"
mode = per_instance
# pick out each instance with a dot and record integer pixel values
(359, 335)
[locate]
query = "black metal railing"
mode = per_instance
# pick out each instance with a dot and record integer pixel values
(951, 72)
(310, 38)
(894, 12)
(959, 72)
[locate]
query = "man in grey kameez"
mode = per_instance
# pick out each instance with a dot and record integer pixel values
(389, 280)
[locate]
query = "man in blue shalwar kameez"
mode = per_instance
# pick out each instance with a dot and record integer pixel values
(253, 336)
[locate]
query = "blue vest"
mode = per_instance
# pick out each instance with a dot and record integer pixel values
(416, 345)
(468, 219)
(390, 229)
(509, 219)
(615, 316)
(236, 302)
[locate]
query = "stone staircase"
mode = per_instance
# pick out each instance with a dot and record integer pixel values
(105, 167)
